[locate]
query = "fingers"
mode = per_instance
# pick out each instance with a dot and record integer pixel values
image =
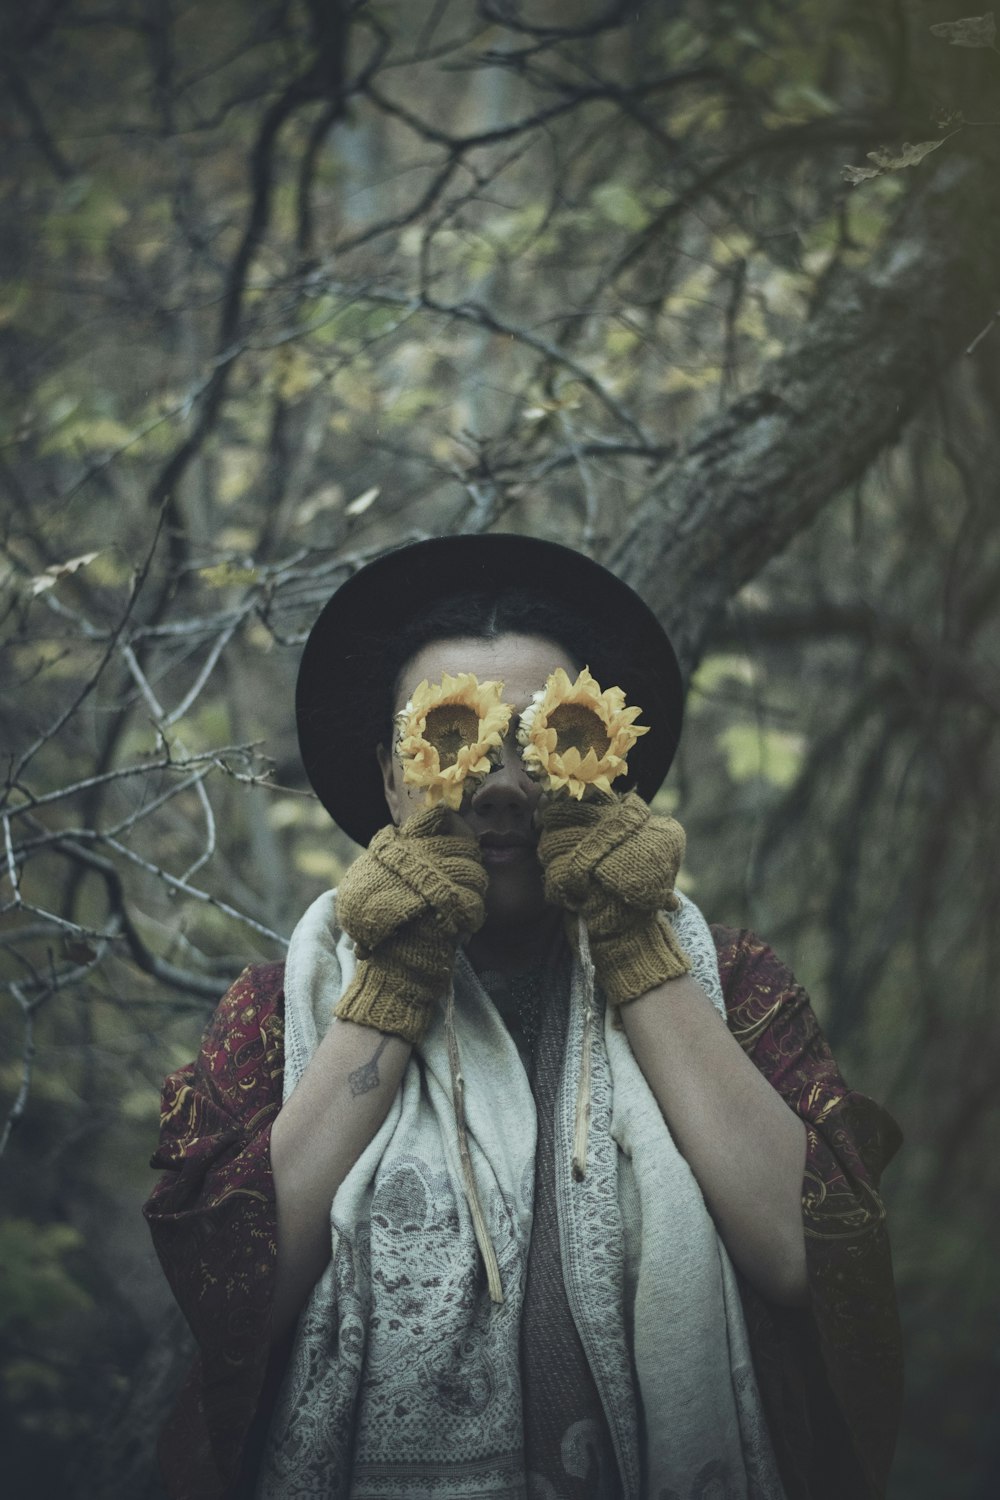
(642, 867)
(449, 883)
(415, 874)
(431, 822)
(614, 846)
(578, 838)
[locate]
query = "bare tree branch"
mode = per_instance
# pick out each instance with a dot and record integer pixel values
(747, 482)
(16, 1112)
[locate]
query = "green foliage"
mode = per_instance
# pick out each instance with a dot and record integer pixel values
(83, 217)
(35, 1285)
(519, 333)
(618, 204)
(772, 755)
(716, 669)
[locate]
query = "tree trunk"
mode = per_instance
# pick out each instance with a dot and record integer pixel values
(751, 479)
(119, 1462)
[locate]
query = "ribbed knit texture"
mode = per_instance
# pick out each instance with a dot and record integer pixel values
(406, 902)
(612, 860)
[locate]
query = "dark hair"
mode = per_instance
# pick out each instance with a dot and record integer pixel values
(486, 617)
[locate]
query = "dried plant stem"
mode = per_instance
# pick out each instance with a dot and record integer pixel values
(472, 1197)
(581, 1127)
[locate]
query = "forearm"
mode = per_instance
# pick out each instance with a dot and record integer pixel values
(338, 1106)
(744, 1145)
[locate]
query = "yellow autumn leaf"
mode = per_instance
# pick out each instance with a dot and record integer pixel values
(969, 31)
(360, 505)
(55, 571)
(891, 159)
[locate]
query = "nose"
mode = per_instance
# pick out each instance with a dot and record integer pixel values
(507, 792)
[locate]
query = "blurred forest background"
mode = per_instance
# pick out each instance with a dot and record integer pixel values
(289, 282)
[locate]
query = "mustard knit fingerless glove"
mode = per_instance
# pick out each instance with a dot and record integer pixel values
(616, 863)
(405, 902)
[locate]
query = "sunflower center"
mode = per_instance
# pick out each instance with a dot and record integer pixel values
(448, 727)
(578, 728)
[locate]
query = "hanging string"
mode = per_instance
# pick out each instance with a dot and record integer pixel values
(582, 1122)
(468, 1178)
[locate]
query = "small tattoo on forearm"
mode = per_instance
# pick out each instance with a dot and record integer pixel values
(366, 1078)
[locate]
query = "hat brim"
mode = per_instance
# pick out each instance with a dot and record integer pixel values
(338, 744)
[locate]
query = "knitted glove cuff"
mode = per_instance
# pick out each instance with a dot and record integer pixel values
(632, 961)
(376, 998)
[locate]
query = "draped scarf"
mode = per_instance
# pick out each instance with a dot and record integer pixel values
(405, 1378)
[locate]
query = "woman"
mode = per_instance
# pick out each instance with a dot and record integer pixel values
(509, 1210)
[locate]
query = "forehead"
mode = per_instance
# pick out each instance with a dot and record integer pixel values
(520, 662)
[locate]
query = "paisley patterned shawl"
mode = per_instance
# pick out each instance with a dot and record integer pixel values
(829, 1376)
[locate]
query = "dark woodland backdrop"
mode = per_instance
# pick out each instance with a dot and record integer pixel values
(287, 282)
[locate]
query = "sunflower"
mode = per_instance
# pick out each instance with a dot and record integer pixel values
(576, 738)
(450, 734)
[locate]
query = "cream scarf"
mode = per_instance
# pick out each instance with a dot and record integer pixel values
(405, 1377)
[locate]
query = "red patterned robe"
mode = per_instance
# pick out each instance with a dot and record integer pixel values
(829, 1375)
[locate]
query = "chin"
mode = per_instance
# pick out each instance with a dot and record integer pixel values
(516, 902)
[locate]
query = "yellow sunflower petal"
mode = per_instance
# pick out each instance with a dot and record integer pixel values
(576, 737)
(449, 735)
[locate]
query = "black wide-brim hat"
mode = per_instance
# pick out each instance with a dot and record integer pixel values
(353, 653)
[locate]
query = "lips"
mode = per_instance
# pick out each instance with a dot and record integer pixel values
(492, 840)
(506, 848)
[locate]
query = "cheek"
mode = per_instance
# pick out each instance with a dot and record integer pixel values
(406, 797)
(516, 895)
(392, 782)
(402, 800)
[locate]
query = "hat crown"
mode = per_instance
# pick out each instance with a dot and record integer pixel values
(372, 625)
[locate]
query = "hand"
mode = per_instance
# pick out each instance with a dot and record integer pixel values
(406, 902)
(615, 863)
